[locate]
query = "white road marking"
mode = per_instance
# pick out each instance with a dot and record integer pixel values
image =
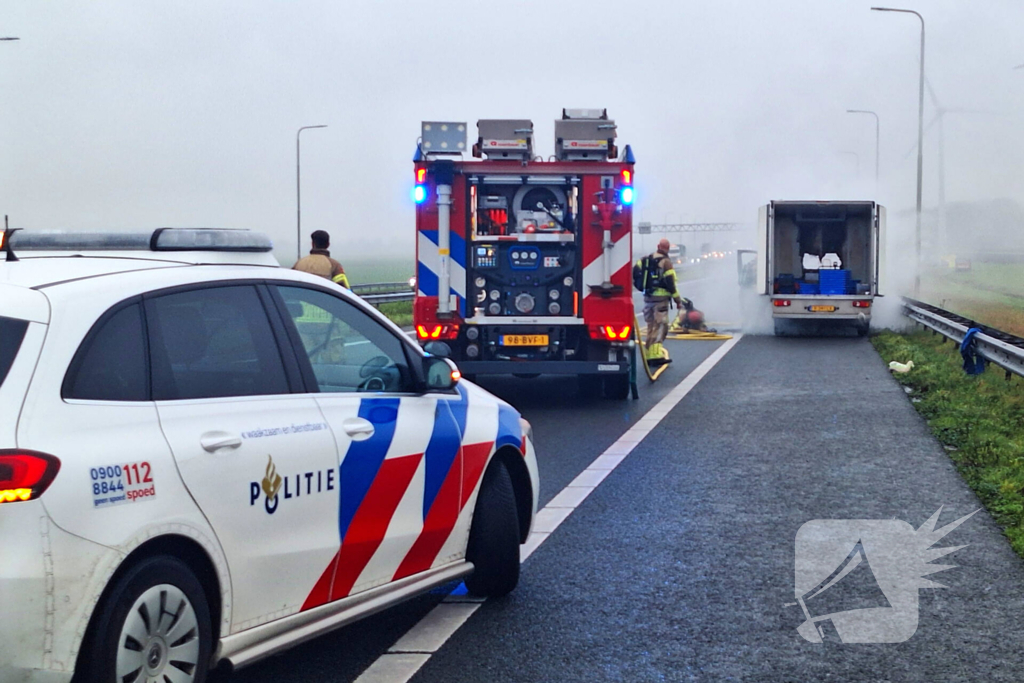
(401, 662)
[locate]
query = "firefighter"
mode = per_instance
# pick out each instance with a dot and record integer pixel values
(319, 261)
(656, 278)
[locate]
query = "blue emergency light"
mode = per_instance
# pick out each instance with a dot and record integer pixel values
(626, 196)
(419, 194)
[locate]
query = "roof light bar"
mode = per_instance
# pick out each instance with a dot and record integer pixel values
(161, 239)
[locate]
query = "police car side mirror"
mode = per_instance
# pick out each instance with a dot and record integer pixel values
(441, 373)
(438, 348)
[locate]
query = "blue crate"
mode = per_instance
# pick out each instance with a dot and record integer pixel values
(809, 288)
(834, 282)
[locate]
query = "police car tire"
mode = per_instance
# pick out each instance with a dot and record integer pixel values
(101, 658)
(494, 537)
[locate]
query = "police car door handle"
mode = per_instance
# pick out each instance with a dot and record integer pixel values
(214, 441)
(358, 428)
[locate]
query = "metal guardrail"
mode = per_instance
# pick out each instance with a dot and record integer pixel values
(384, 292)
(997, 347)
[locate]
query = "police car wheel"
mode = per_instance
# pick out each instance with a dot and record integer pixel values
(494, 537)
(153, 625)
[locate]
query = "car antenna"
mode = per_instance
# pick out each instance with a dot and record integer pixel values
(6, 241)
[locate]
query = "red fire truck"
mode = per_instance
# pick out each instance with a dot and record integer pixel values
(533, 257)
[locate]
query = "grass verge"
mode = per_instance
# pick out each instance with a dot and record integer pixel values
(990, 294)
(980, 421)
(400, 312)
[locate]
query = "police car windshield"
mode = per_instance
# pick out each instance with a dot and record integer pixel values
(12, 331)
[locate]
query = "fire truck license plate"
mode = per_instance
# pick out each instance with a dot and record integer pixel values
(824, 309)
(524, 340)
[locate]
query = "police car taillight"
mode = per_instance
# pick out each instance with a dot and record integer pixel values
(25, 475)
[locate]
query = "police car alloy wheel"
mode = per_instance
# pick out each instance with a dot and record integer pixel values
(154, 626)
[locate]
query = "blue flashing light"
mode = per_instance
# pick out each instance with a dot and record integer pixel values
(419, 194)
(626, 195)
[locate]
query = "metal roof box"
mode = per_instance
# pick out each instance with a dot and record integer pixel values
(504, 138)
(584, 138)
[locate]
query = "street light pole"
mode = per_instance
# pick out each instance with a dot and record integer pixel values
(298, 191)
(920, 148)
(878, 132)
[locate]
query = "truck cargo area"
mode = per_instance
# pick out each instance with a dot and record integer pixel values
(819, 229)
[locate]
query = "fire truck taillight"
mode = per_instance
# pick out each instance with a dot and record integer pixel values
(419, 192)
(610, 332)
(626, 193)
(437, 331)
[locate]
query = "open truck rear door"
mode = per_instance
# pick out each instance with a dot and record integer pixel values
(764, 246)
(878, 244)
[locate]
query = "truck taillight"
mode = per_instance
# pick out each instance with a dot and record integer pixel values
(862, 304)
(419, 191)
(610, 332)
(626, 193)
(781, 303)
(437, 331)
(25, 475)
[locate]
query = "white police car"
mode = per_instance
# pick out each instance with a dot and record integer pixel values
(205, 457)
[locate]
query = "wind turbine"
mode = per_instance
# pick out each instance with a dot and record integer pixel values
(939, 118)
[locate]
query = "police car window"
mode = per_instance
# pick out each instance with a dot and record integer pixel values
(348, 350)
(111, 363)
(11, 333)
(214, 342)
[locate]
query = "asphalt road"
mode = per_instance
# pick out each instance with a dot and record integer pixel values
(679, 565)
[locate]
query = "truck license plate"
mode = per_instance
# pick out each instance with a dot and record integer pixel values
(524, 340)
(824, 309)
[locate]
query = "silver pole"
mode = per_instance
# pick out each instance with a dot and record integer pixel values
(920, 149)
(444, 205)
(298, 192)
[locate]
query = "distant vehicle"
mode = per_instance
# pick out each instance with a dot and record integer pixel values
(821, 261)
(677, 253)
(524, 264)
(205, 457)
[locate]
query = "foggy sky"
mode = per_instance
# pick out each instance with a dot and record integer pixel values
(144, 114)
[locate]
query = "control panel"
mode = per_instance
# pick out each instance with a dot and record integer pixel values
(485, 257)
(524, 258)
(514, 279)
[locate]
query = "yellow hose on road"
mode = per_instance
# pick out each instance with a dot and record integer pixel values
(653, 376)
(698, 336)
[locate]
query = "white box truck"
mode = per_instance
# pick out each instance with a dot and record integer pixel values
(821, 262)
